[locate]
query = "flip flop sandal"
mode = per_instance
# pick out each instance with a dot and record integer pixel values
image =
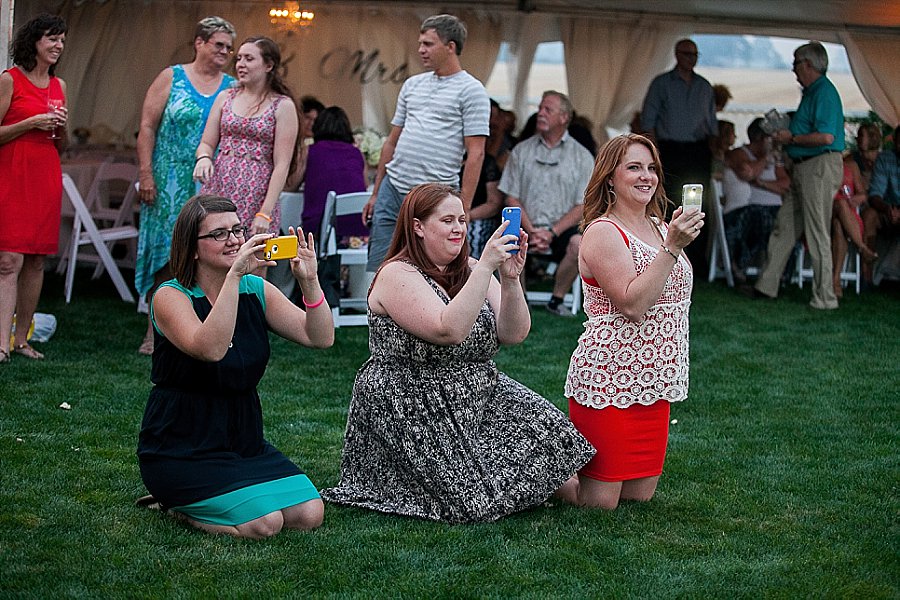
(28, 352)
(4, 356)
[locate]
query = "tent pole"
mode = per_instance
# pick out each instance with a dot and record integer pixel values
(6, 26)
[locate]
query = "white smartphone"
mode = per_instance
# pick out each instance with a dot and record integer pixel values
(692, 196)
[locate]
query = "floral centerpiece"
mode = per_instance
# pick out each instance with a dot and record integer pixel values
(369, 143)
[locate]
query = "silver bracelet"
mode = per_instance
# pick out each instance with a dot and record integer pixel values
(669, 252)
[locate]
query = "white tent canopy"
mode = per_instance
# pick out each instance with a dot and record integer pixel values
(358, 53)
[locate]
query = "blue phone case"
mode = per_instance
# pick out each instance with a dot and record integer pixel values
(513, 214)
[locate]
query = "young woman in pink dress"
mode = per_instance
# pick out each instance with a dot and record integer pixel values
(254, 129)
(30, 174)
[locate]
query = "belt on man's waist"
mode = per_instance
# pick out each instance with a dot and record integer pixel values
(802, 159)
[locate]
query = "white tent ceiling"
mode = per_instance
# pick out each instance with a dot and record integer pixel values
(881, 15)
(108, 90)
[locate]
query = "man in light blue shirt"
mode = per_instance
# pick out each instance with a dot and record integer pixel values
(679, 113)
(883, 215)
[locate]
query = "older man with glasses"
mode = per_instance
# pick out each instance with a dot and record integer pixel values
(546, 176)
(814, 143)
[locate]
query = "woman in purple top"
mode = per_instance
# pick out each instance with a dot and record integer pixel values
(333, 164)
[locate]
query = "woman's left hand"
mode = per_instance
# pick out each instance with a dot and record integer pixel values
(260, 225)
(496, 253)
(512, 268)
(61, 115)
(304, 265)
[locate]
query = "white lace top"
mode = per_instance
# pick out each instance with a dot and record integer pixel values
(619, 362)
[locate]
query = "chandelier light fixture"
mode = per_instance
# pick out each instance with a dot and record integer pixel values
(290, 17)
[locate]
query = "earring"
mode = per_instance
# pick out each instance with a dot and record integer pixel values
(612, 193)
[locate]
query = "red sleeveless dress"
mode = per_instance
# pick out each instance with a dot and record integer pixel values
(30, 174)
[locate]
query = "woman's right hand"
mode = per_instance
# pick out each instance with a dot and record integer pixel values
(496, 249)
(683, 228)
(44, 121)
(203, 170)
(248, 256)
(368, 210)
(147, 189)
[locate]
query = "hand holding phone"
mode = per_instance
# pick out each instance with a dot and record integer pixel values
(281, 247)
(513, 214)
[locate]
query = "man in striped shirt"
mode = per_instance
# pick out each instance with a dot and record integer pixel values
(441, 115)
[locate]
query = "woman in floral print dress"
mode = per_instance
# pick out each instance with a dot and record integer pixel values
(435, 430)
(174, 114)
(254, 127)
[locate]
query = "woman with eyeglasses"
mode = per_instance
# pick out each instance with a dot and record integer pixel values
(201, 449)
(32, 108)
(254, 127)
(172, 120)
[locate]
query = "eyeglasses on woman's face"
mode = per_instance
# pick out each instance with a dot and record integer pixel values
(222, 46)
(220, 235)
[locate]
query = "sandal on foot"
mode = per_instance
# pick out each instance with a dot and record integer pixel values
(148, 502)
(28, 351)
(4, 356)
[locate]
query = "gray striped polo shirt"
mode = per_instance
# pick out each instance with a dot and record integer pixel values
(436, 113)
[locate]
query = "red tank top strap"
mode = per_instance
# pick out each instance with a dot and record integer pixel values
(591, 280)
(611, 222)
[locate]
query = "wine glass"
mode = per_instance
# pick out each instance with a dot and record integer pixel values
(53, 105)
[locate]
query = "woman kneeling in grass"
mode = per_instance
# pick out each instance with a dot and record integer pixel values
(201, 450)
(435, 430)
(632, 359)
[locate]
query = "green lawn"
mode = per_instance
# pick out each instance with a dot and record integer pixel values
(781, 479)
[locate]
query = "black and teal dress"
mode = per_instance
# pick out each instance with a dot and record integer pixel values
(201, 448)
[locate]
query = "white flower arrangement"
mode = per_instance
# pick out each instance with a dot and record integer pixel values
(369, 143)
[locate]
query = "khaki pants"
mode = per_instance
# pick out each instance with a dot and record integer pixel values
(806, 209)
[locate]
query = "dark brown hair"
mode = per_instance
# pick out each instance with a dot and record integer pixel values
(271, 54)
(420, 203)
(599, 198)
(332, 124)
(184, 235)
(23, 50)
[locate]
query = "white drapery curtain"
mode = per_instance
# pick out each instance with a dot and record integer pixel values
(875, 61)
(524, 33)
(608, 83)
(354, 57)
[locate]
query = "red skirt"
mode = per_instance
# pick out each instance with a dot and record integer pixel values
(630, 442)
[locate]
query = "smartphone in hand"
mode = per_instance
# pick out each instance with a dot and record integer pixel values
(278, 248)
(513, 214)
(692, 196)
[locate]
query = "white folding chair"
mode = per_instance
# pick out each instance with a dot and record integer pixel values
(571, 300)
(720, 257)
(85, 232)
(113, 180)
(339, 206)
(851, 270)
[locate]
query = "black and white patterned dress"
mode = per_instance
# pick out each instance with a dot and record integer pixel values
(438, 432)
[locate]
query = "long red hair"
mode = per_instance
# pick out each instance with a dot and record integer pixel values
(420, 203)
(599, 197)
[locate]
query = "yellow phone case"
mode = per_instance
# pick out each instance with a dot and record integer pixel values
(281, 247)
